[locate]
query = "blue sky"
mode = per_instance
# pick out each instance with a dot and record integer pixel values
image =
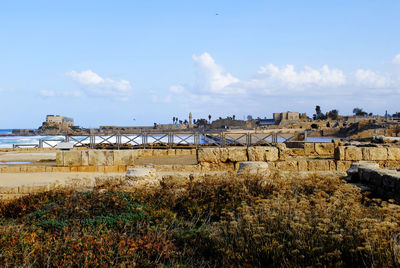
(109, 62)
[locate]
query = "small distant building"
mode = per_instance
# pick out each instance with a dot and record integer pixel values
(190, 120)
(287, 116)
(56, 124)
(62, 120)
(265, 122)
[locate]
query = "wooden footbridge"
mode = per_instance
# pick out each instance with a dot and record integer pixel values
(175, 140)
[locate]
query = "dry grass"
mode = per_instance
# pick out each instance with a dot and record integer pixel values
(214, 221)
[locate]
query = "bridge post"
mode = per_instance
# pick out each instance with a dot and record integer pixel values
(170, 139)
(118, 139)
(144, 138)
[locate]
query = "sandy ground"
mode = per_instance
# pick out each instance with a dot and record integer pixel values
(44, 178)
(27, 156)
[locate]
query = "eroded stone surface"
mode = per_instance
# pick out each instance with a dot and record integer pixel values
(253, 168)
(142, 176)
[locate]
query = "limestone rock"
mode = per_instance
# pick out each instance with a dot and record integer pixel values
(318, 165)
(288, 165)
(353, 153)
(72, 158)
(123, 157)
(324, 148)
(256, 153)
(142, 176)
(393, 153)
(101, 158)
(339, 153)
(211, 155)
(253, 168)
(237, 154)
(374, 153)
(60, 158)
(309, 148)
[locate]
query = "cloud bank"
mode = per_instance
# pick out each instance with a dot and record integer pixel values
(306, 85)
(94, 84)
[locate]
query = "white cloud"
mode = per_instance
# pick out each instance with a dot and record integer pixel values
(288, 77)
(281, 87)
(53, 93)
(212, 78)
(371, 79)
(99, 86)
(396, 59)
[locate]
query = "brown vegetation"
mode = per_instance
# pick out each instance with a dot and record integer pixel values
(215, 221)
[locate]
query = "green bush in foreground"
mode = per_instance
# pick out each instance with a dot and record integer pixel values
(217, 221)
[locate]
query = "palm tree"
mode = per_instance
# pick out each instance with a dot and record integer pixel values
(209, 118)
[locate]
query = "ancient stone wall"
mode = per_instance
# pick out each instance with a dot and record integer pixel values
(313, 157)
(385, 183)
(112, 157)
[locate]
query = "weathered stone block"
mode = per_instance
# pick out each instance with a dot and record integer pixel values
(211, 155)
(87, 169)
(123, 157)
(271, 154)
(353, 153)
(146, 152)
(374, 153)
(72, 158)
(325, 148)
(343, 165)
(340, 153)
(259, 153)
(101, 158)
(224, 154)
(392, 164)
(332, 165)
(236, 154)
(85, 158)
(318, 165)
(60, 158)
(183, 151)
(253, 168)
(111, 169)
(136, 154)
(160, 152)
(309, 148)
(288, 165)
(35, 169)
(171, 152)
(256, 153)
(375, 178)
(394, 153)
(302, 165)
